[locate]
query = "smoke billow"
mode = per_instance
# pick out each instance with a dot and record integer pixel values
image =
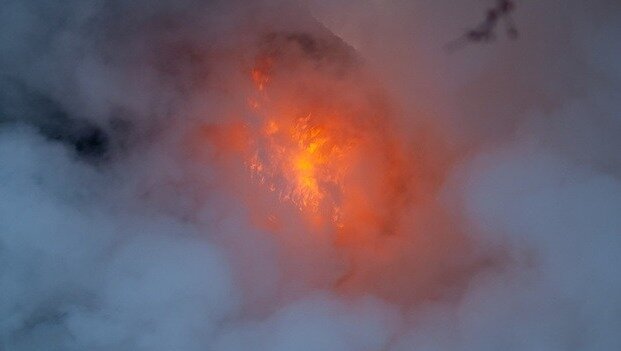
(321, 175)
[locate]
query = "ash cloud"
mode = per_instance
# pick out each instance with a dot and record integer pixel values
(115, 236)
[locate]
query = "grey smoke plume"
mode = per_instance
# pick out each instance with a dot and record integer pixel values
(115, 235)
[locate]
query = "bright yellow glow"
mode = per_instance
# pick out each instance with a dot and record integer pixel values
(298, 155)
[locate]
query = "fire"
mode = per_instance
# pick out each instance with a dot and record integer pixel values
(316, 141)
(299, 153)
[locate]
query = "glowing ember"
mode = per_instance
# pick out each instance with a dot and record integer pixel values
(318, 141)
(300, 156)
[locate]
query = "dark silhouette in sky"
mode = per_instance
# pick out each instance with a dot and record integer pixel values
(485, 31)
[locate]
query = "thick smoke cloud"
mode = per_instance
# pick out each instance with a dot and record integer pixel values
(121, 230)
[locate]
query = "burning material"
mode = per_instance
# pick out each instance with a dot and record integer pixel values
(300, 155)
(317, 137)
(305, 158)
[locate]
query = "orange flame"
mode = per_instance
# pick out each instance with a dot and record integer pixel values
(297, 156)
(331, 157)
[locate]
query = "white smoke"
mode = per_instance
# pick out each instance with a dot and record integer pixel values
(112, 238)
